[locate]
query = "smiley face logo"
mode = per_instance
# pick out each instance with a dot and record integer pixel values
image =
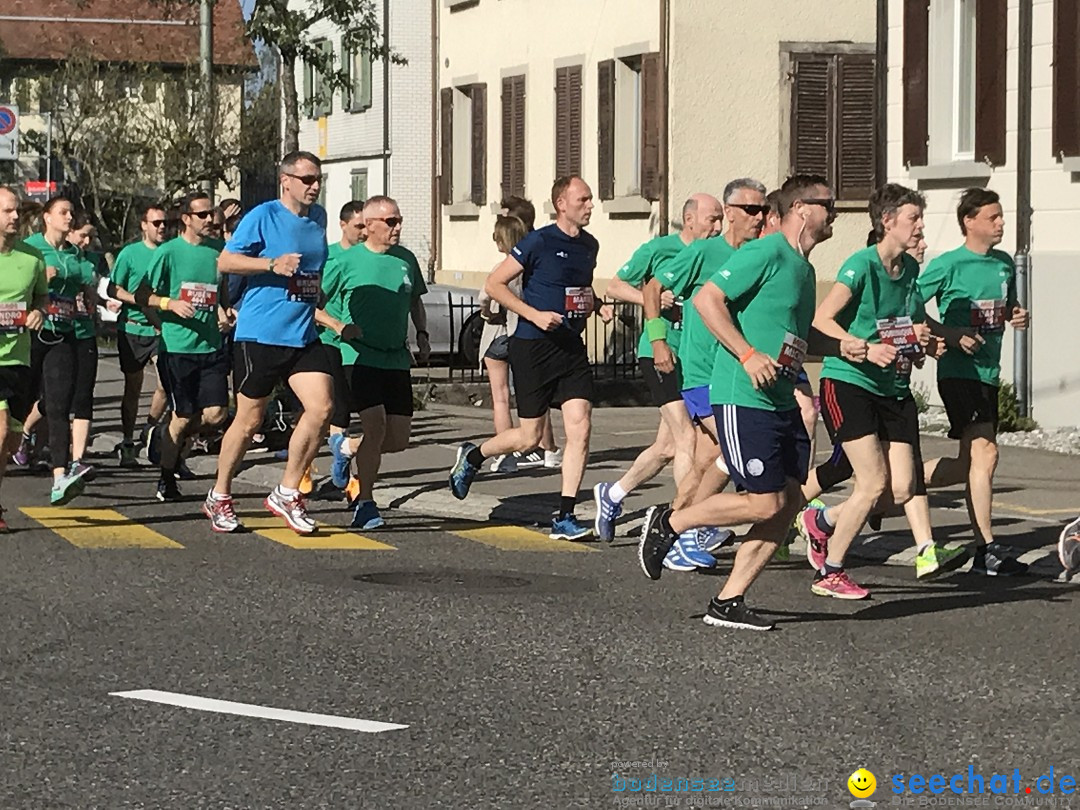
(862, 784)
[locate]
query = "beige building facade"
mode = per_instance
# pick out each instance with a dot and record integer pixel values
(956, 97)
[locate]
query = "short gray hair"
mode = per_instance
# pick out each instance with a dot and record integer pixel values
(689, 207)
(742, 182)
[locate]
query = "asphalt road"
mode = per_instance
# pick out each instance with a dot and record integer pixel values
(526, 678)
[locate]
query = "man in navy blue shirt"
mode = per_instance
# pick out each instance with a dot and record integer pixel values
(280, 246)
(547, 354)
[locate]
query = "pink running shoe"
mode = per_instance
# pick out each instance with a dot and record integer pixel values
(817, 541)
(838, 585)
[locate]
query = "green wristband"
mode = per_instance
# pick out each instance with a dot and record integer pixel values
(656, 329)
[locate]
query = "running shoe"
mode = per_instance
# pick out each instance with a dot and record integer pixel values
(530, 458)
(504, 464)
(168, 490)
(553, 458)
(607, 512)
(153, 445)
(82, 470)
(21, 457)
(994, 560)
(66, 488)
(4, 528)
(221, 513)
(838, 585)
(568, 527)
(282, 454)
(817, 541)
(462, 473)
(656, 541)
(712, 538)
(1069, 549)
(937, 559)
(184, 472)
(686, 555)
(366, 516)
(291, 509)
(735, 614)
(128, 453)
(339, 467)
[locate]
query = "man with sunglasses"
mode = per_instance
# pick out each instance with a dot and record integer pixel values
(137, 330)
(378, 288)
(281, 247)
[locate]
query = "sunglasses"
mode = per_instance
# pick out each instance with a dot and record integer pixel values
(200, 214)
(307, 179)
(156, 223)
(752, 210)
(828, 204)
(391, 222)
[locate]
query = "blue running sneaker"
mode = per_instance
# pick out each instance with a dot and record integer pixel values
(677, 561)
(568, 527)
(607, 512)
(339, 468)
(712, 538)
(463, 473)
(366, 516)
(687, 552)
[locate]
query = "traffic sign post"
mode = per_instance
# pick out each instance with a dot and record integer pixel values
(9, 132)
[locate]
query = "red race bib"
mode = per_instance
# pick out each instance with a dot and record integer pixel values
(201, 296)
(305, 287)
(988, 315)
(60, 308)
(13, 317)
(899, 332)
(579, 302)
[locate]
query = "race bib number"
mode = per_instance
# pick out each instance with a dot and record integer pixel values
(13, 317)
(82, 309)
(203, 297)
(792, 354)
(60, 308)
(988, 315)
(304, 287)
(904, 364)
(579, 302)
(900, 333)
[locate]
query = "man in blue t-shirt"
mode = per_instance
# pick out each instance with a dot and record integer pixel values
(547, 354)
(281, 247)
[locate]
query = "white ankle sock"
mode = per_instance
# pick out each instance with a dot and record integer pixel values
(616, 493)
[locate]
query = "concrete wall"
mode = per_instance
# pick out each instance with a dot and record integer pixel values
(1055, 255)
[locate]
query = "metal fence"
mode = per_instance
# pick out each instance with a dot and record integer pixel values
(612, 346)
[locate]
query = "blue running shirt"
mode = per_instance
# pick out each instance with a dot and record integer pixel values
(558, 277)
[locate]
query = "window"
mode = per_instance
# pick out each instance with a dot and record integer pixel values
(1066, 123)
(630, 106)
(357, 96)
(567, 121)
(463, 144)
(318, 97)
(834, 119)
(513, 136)
(359, 184)
(952, 81)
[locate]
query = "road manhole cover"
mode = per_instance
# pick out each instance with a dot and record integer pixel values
(445, 580)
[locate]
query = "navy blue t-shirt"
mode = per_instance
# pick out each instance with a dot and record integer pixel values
(558, 277)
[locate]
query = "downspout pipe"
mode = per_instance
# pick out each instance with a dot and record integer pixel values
(386, 97)
(435, 251)
(881, 90)
(665, 186)
(1024, 212)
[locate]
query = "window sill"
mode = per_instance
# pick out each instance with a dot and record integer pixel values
(458, 5)
(632, 205)
(1071, 164)
(958, 170)
(462, 210)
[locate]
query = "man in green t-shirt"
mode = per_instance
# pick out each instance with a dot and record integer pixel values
(702, 217)
(759, 304)
(137, 331)
(974, 287)
(193, 367)
(24, 294)
(378, 289)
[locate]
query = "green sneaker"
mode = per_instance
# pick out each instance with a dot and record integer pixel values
(66, 489)
(937, 559)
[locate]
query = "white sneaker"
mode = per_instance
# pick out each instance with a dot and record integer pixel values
(504, 464)
(553, 458)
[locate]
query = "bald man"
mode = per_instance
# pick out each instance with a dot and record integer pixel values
(702, 218)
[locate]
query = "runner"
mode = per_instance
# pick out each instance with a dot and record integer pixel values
(702, 218)
(137, 334)
(52, 353)
(547, 354)
(974, 287)
(759, 304)
(331, 322)
(281, 247)
(86, 351)
(378, 289)
(24, 295)
(194, 369)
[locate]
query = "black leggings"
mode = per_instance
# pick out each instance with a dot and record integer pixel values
(52, 369)
(86, 364)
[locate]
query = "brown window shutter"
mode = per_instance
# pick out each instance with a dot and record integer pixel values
(605, 91)
(991, 49)
(513, 136)
(446, 145)
(652, 88)
(916, 83)
(856, 126)
(507, 134)
(478, 94)
(1065, 136)
(812, 123)
(562, 122)
(574, 134)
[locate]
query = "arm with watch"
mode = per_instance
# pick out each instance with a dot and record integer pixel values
(238, 263)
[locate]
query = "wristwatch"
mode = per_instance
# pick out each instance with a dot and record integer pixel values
(270, 269)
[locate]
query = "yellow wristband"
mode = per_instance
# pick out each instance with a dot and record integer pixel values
(163, 304)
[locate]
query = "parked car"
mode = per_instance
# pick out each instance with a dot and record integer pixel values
(454, 325)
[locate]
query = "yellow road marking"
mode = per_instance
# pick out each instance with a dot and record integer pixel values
(273, 528)
(97, 528)
(1012, 507)
(516, 538)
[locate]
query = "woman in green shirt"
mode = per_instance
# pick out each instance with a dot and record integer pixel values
(86, 349)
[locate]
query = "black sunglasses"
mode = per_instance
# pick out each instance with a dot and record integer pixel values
(391, 222)
(828, 204)
(200, 214)
(752, 210)
(307, 179)
(156, 223)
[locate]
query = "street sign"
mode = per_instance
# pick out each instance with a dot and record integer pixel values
(9, 132)
(40, 190)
